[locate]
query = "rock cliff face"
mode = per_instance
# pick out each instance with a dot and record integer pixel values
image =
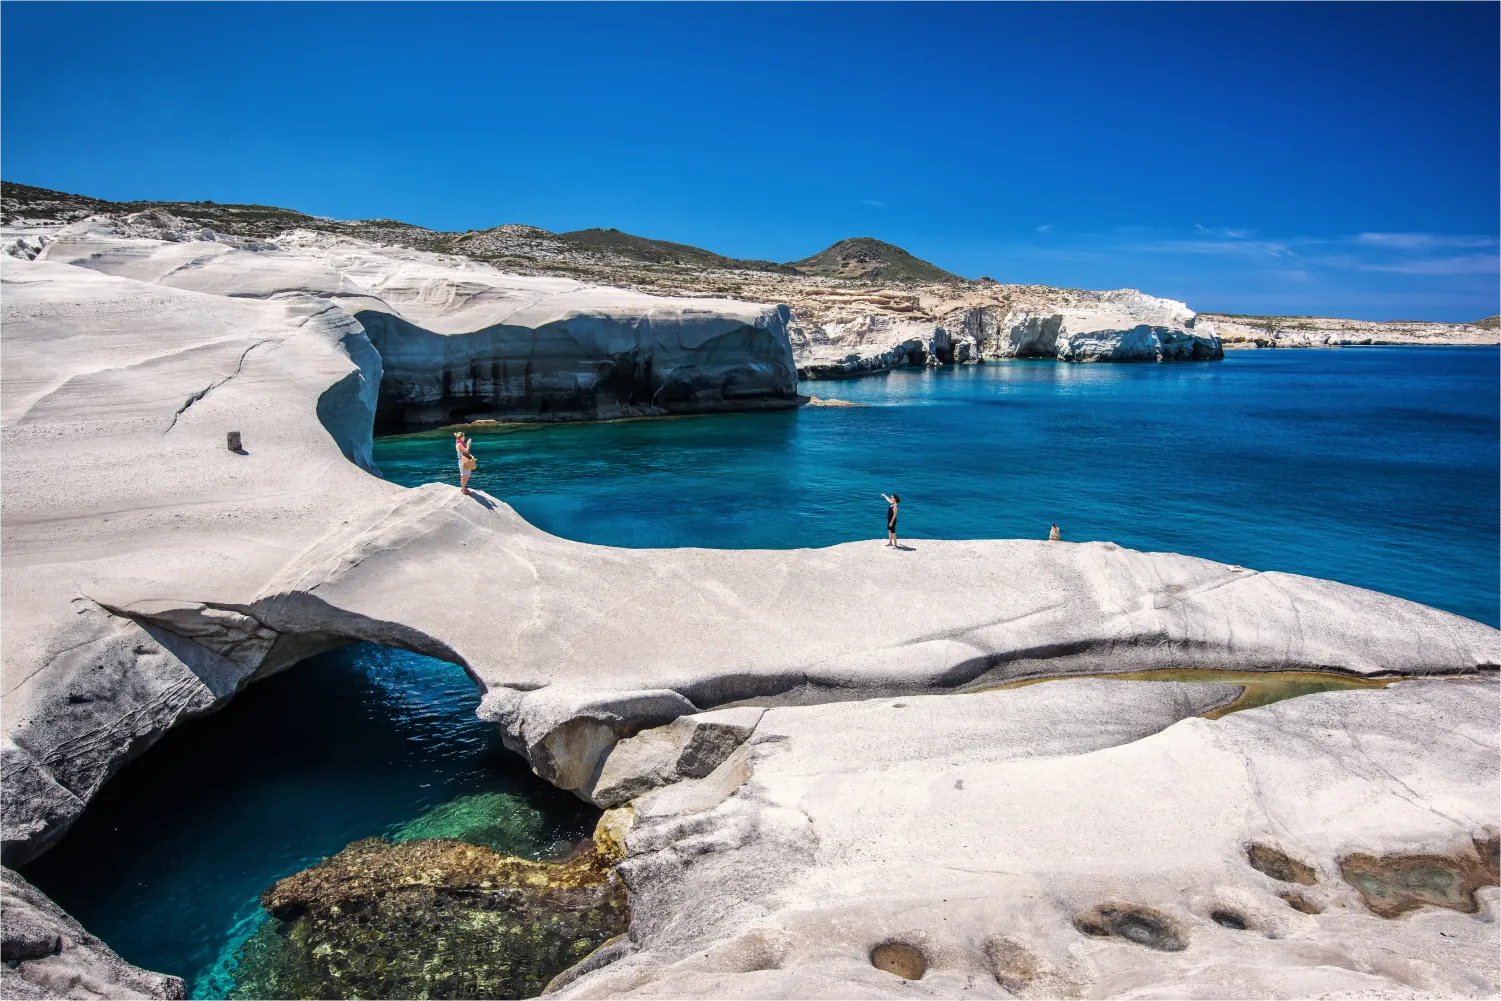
(153, 575)
(1079, 326)
(49, 955)
(459, 340)
(860, 306)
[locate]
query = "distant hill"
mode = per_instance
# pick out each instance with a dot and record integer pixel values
(867, 258)
(640, 248)
(1489, 323)
(861, 258)
(22, 201)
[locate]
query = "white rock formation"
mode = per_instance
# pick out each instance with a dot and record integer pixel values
(149, 573)
(1123, 325)
(1076, 838)
(49, 955)
(461, 340)
(1331, 332)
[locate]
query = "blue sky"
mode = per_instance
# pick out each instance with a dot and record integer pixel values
(1266, 158)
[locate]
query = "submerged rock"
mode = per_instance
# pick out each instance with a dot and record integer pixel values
(431, 918)
(496, 820)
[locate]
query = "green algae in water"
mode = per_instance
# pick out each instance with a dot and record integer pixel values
(497, 820)
(430, 918)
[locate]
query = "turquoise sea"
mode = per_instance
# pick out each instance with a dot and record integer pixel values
(1373, 466)
(1377, 466)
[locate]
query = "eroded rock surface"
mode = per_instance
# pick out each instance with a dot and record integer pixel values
(460, 340)
(875, 334)
(1080, 838)
(47, 954)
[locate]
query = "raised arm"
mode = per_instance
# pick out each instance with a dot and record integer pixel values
(888, 500)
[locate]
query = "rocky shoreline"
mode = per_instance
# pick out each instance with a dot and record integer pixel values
(820, 784)
(1326, 332)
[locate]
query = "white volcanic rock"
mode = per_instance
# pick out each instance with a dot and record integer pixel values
(873, 343)
(154, 572)
(149, 573)
(461, 340)
(117, 397)
(1123, 325)
(1072, 839)
(1331, 332)
(49, 955)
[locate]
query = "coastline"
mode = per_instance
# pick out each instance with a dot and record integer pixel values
(713, 688)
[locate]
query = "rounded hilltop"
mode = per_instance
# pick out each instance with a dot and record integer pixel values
(868, 259)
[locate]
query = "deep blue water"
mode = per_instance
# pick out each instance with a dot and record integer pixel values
(1373, 466)
(168, 861)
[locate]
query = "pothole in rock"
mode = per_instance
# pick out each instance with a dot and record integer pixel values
(1279, 865)
(1392, 885)
(1300, 903)
(431, 918)
(1141, 925)
(1027, 975)
(1229, 919)
(906, 961)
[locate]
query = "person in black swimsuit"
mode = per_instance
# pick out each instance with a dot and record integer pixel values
(892, 502)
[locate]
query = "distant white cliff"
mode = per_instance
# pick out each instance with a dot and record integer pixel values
(1122, 325)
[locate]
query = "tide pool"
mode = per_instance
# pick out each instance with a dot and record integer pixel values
(1372, 466)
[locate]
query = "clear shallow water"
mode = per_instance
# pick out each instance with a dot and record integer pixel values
(1373, 466)
(167, 863)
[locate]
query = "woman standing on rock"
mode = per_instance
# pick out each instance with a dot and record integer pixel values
(891, 502)
(467, 463)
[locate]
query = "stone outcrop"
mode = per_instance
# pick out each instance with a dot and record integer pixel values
(1076, 838)
(1124, 325)
(49, 955)
(1331, 332)
(459, 340)
(150, 573)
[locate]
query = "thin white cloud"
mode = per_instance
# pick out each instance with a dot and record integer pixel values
(1241, 248)
(1393, 253)
(1240, 269)
(1047, 228)
(1467, 264)
(873, 203)
(1423, 241)
(1226, 234)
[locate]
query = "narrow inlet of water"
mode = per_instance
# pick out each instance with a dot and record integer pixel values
(168, 861)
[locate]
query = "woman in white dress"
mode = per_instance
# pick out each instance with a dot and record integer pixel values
(467, 463)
